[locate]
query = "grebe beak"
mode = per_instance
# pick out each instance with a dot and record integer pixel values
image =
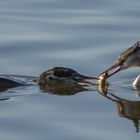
(84, 79)
(80, 76)
(112, 70)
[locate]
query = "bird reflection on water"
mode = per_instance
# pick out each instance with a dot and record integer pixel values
(63, 88)
(60, 88)
(126, 108)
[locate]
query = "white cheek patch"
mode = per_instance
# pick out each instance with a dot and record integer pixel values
(50, 77)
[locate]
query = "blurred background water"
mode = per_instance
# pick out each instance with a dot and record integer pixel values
(86, 35)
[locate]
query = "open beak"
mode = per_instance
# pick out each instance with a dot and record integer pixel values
(112, 70)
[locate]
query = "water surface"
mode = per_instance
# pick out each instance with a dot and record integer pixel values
(84, 35)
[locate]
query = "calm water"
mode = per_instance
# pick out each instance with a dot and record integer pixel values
(84, 35)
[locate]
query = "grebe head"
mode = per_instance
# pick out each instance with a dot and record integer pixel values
(62, 74)
(127, 59)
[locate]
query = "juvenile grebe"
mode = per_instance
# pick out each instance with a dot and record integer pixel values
(57, 75)
(62, 74)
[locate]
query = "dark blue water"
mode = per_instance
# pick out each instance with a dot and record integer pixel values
(85, 35)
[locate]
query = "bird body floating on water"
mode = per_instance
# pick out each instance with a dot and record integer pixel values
(56, 75)
(127, 59)
(64, 75)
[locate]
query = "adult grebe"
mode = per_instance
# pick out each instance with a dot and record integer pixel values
(127, 59)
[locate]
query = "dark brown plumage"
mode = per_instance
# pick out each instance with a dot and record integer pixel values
(61, 74)
(130, 51)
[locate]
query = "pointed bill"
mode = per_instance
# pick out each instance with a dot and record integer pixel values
(84, 79)
(80, 76)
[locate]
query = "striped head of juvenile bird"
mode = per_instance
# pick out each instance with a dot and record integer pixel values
(62, 74)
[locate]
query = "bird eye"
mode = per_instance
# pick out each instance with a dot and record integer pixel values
(50, 78)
